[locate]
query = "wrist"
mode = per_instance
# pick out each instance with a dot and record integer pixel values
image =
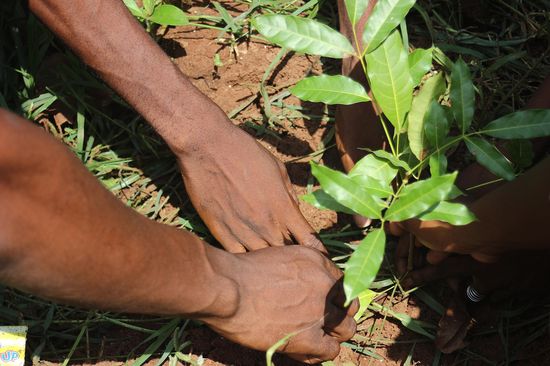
(220, 288)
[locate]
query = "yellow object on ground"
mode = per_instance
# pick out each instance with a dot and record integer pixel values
(12, 345)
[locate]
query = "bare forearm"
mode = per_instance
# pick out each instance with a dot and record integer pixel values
(108, 39)
(64, 237)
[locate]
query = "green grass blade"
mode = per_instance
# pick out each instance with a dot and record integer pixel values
(364, 263)
(303, 35)
(453, 213)
(520, 125)
(418, 197)
(462, 95)
(390, 80)
(430, 92)
(335, 89)
(385, 16)
(489, 156)
(271, 351)
(162, 334)
(420, 62)
(347, 192)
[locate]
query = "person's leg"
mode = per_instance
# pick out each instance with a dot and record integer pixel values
(357, 125)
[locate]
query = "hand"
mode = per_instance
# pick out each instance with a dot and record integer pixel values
(282, 291)
(243, 193)
(516, 271)
(443, 239)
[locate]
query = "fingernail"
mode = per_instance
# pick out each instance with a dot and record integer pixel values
(362, 222)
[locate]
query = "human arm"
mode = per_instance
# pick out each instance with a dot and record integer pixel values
(512, 217)
(238, 188)
(65, 237)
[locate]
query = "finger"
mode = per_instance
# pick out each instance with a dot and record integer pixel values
(485, 258)
(314, 348)
(226, 238)
(458, 266)
(338, 324)
(353, 308)
(304, 234)
(337, 298)
(402, 254)
(395, 228)
(361, 222)
(436, 257)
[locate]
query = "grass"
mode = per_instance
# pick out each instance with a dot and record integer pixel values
(507, 48)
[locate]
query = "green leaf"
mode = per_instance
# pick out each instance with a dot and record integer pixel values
(420, 62)
(169, 15)
(438, 164)
(134, 9)
(364, 263)
(462, 95)
(436, 125)
(521, 153)
(303, 35)
(365, 298)
(489, 156)
(390, 80)
(149, 7)
(430, 91)
(336, 89)
(520, 125)
(347, 192)
(418, 197)
(453, 213)
(385, 16)
(321, 200)
(396, 162)
(356, 9)
(374, 167)
(373, 186)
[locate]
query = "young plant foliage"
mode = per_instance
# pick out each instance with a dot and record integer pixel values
(418, 197)
(321, 200)
(385, 16)
(355, 9)
(520, 125)
(489, 156)
(347, 192)
(390, 79)
(376, 168)
(462, 95)
(330, 89)
(364, 263)
(303, 35)
(420, 62)
(429, 92)
(453, 213)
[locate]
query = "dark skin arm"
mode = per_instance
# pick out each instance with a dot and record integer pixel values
(239, 189)
(58, 223)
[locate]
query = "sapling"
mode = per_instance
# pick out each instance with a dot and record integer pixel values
(420, 107)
